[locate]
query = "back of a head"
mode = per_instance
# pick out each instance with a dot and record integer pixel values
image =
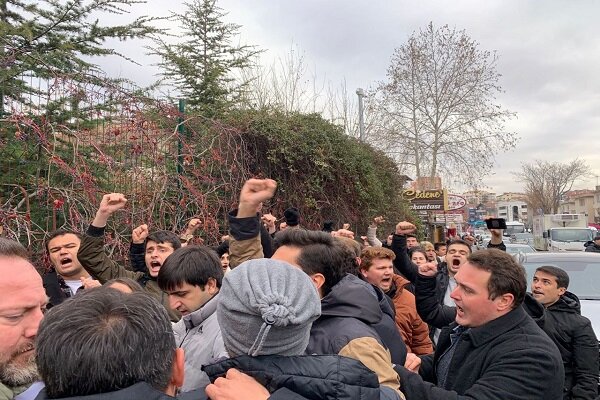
(267, 308)
(507, 276)
(12, 249)
(292, 216)
(193, 265)
(103, 340)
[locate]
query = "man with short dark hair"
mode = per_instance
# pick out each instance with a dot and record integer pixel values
(22, 304)
(158, 246)
(572, 333)
(120, 346)
(192, 277)
(456, 256)
(411, 241)
(67, 275)
(440, 249)
(494, 350)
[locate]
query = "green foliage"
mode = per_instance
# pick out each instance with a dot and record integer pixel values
(51, 39)
(203, 64)
(325, 173)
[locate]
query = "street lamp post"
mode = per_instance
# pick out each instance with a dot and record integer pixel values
(361, 122)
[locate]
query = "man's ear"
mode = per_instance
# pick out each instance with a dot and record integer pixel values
(177, 373)
(363, 272)
(505, 301)
(561, 291)
(211, 286)
(318, 280)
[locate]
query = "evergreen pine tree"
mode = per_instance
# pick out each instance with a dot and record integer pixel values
(203, 66)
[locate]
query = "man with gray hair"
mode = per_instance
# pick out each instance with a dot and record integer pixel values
(266, 312)
(22, 303)
(120, 346)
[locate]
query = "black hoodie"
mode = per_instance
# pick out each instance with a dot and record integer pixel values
(578, 345)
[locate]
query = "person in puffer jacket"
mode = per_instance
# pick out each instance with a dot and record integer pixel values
(266, 312)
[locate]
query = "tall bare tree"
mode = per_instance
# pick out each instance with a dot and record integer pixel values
(546, 182)
(437, 110)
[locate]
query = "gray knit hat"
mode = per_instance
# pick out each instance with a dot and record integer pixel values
(267, 307)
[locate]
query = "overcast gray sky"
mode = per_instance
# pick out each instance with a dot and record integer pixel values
(549, 58)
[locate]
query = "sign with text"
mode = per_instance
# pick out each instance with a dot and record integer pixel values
(426, 200)
(456, 202)
(457, 218)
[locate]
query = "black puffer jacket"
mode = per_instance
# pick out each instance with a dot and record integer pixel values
(593, 247)
(304, 377)
(578, 346)
(140, 390)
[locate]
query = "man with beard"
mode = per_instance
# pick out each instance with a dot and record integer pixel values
(158, 246)
(22, 305)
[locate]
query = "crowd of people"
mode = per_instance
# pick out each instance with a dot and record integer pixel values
(284, 312)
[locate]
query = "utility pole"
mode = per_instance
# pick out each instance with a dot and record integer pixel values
(361, 121)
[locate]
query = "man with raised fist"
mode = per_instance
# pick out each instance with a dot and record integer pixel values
(158, 246)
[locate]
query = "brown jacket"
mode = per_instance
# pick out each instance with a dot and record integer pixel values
(415, 332)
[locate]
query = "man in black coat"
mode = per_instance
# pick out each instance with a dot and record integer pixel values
(572, 333)
(594, 246)
(494, 350)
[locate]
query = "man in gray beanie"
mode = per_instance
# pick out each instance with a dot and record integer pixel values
(266, 311)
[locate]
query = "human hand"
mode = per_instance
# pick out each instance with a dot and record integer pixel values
(139, 234)
(345, 233)
(110, 203)
(404, 228)
(253, 193)
(269, 222)
(89, 283)
(469, 239)
(428, 269)
(236, 385)
(377, 221)
(346, 226)
(192, 226)
(412, 363)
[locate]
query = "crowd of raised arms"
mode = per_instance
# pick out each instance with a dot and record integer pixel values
(287, 313)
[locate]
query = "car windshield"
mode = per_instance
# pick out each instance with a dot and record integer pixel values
(523, 235)
(571, 235)
(514, 249)
(513, 229)
(584, 278)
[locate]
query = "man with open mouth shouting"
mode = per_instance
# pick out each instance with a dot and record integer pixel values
(67, 275)
(22, 304)
(158, 246)
(456, 256)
